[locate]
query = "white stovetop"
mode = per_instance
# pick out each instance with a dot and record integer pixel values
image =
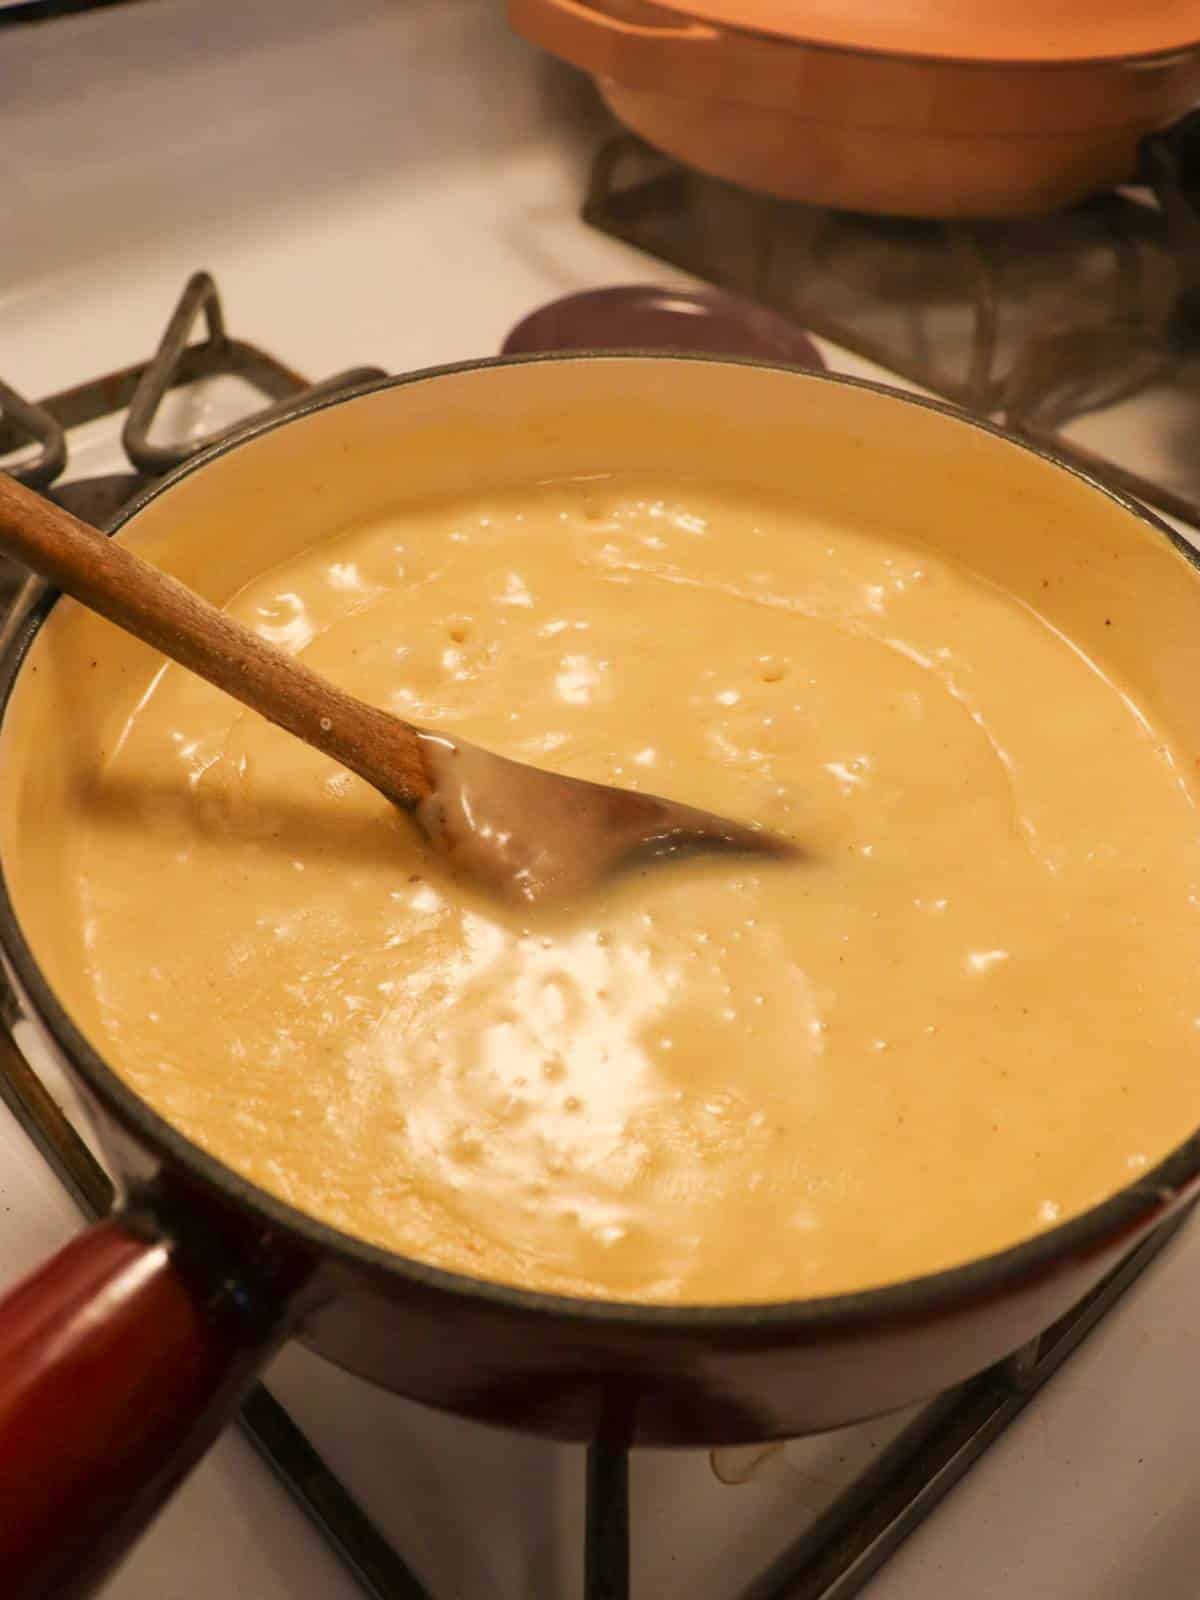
(395, 182)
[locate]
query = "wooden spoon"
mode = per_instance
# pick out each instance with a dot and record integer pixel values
(525, 834)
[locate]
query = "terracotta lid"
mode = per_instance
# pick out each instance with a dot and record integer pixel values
(966, 30)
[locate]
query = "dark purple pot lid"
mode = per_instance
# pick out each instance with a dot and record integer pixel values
(650, 317)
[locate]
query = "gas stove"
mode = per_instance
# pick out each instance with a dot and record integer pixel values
(380, 187)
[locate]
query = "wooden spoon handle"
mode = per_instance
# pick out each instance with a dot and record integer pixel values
(104, 576)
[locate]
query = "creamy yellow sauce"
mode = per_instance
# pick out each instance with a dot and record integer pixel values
(970, 1010)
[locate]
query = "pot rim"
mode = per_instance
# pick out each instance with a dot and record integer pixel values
(1126, 1212)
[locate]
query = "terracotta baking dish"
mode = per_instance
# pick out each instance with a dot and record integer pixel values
(940, 108)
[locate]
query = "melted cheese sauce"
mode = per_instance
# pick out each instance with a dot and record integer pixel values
(971, 1010)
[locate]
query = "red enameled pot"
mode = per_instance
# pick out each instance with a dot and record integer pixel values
(123, 1356)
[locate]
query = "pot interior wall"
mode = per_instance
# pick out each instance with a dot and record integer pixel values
(842, 454)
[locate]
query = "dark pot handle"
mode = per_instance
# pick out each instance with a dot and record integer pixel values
(121, 1358)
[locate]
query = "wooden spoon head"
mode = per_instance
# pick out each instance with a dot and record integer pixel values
(537, 837)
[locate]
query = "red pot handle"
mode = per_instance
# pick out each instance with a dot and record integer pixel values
(121, 1358)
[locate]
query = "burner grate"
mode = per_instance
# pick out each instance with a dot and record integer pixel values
(139, 392)
(1045, 324)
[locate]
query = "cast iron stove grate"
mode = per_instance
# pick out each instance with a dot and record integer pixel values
(1049, 325)
(869, 1520)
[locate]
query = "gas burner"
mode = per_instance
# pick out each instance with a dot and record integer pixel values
(1048, 325)
(649, 317)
